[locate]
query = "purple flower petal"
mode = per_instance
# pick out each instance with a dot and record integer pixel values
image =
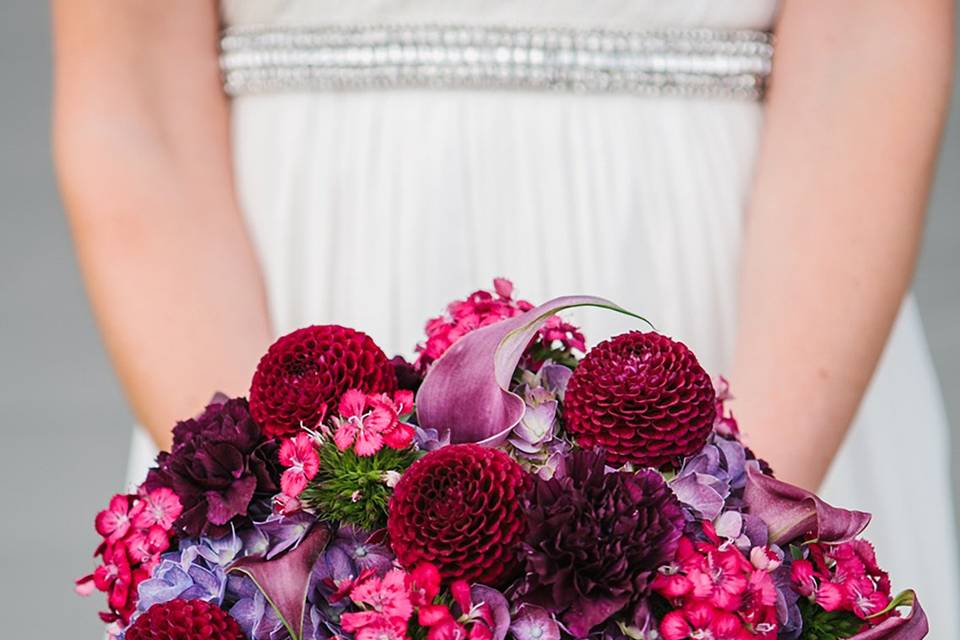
(498, 607)
(284, 532)
(700, 497)
(534, 623)
(586, 613)
(466, 391)
(791, 512)
(729, 525)
(555, 378)
(285, 581)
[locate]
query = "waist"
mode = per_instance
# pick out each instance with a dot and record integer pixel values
(676, 62)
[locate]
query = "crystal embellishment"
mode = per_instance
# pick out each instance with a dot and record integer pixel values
(681, 62)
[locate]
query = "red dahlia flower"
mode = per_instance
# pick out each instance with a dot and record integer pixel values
(184, 620)
(305, 372)
(642, 397)
(459, 508)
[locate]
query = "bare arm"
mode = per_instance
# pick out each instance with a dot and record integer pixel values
(142, 151)
(854, 117)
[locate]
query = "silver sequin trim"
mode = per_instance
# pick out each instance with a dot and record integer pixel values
(694, 62)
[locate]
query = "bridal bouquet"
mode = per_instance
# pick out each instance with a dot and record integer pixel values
(510, 482)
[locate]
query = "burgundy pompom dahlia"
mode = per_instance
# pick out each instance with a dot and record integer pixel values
(642, 397)
(304, 373)
(184, 620)
(459, 508)
(595, 540)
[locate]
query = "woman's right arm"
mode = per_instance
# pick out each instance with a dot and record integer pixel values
(142, 150)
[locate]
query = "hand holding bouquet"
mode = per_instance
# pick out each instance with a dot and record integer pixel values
(510, 482)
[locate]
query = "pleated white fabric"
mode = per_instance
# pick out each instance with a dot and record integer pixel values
(374, 209)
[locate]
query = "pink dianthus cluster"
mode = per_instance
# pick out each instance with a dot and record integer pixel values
(136, 529)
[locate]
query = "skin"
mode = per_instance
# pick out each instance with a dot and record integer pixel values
(853, 121)
(142, 149)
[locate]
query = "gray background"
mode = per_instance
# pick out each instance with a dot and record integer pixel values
(65, 424)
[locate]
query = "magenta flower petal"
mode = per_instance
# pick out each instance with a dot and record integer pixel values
(791, 512)
(466, 391)
(285, 581)
(909, 626)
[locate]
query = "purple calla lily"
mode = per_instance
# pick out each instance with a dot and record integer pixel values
(466, 391)
(791, 512)
(285, 580)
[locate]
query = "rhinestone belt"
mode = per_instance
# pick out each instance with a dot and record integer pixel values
(684, 62)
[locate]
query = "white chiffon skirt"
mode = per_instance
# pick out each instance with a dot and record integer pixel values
(374, 210)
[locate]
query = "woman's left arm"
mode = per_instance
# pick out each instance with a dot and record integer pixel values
(853, 121)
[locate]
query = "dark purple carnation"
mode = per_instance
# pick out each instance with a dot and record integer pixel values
(220, 464)
(595, 539)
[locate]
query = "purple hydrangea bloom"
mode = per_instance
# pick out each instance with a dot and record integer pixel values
(197, 570)
(279, 533)
(713, 479)
(534, 623)
(535, 439)
(350, 553)
(788, 609)
(362, 550)
(171, 581)
(430, 439)
(217, 552)
(253, 613)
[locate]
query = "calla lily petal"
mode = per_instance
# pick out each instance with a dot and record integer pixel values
(791, 512)
(285, 580)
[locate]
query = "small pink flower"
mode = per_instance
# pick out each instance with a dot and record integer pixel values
(144, 546)
(302, 461)
(114, 522)
(369, 626)
(159, 507)
(84, 586)
(765, 559)
(802, 575)
(447, 629)
(423, 584)
(368, 422)
(864, 599)
(286, 505)
(431, 615)
(360, 428)
(555, 329)
(759, 598)
(387, 595)
(700, 620)
(830, 596)
(503, 287)
(670, 583)
(720, 578)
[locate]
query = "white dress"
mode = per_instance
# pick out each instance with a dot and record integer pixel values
(374, 208)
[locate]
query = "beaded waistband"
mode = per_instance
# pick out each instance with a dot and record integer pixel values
(685, 62)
